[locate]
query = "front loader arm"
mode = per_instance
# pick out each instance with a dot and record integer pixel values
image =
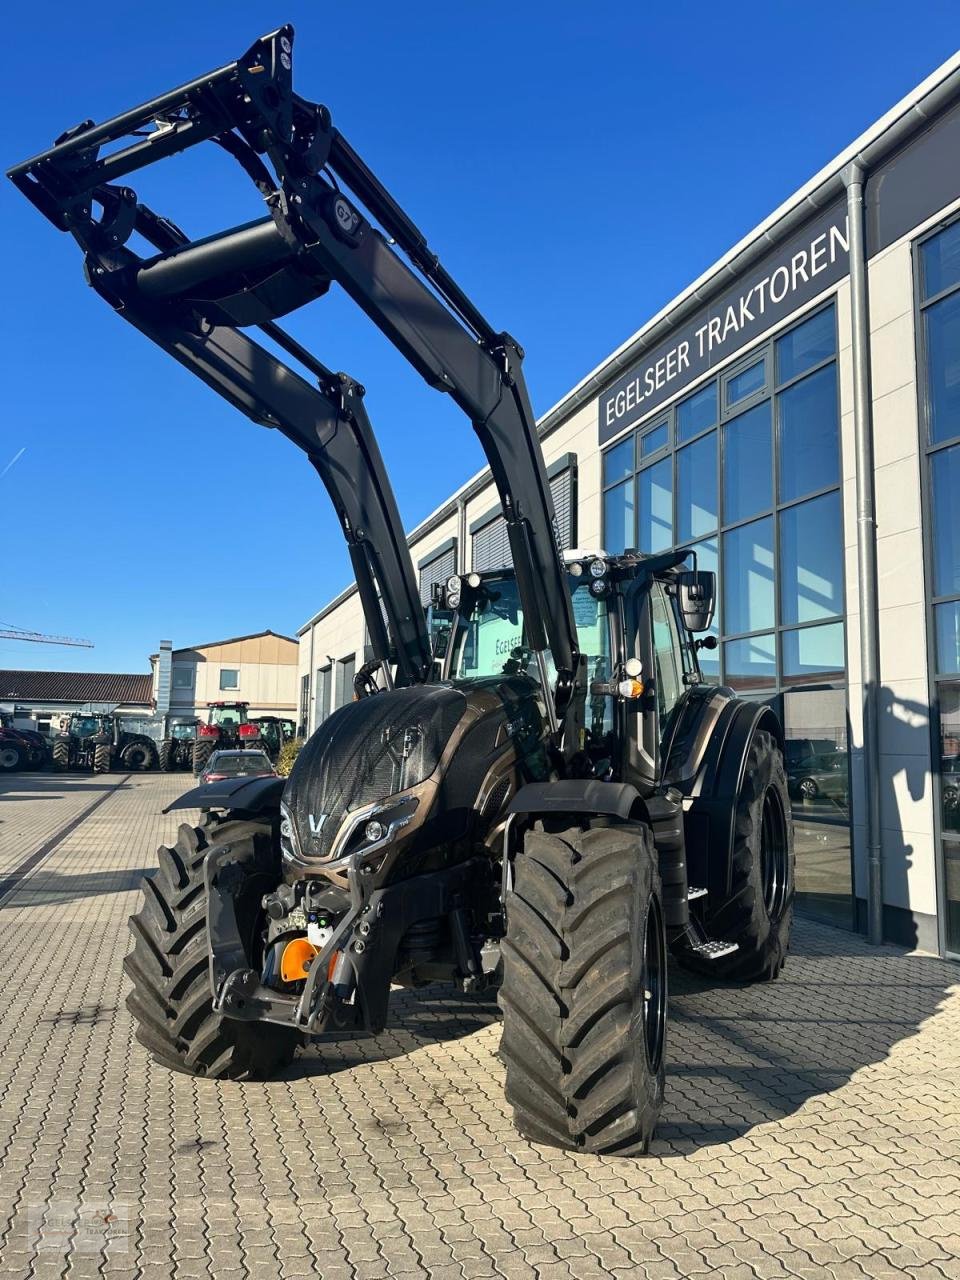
(192, 297)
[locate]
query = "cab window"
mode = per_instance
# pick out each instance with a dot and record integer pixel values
(667, 651)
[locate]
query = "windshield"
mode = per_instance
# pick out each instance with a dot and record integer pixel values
(183, 731)
(226, 716)
(236, 766)
(491, 639)
(84, 726)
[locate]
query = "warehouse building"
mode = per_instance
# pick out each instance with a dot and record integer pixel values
(795, 416)
(259, 669)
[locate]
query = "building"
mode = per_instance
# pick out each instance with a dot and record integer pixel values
(260, 669)
(48, 696)
(795, 415)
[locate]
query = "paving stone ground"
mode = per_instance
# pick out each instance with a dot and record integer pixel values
(811, 1127)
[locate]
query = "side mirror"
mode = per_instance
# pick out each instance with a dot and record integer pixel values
(697, 593)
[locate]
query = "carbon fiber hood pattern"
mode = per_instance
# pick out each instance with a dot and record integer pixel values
(364, 753)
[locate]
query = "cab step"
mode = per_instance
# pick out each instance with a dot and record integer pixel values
(693, 893)
(712, 949)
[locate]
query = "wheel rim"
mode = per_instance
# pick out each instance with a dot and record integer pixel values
(9, 759)
(654, 985)
(773, 853)
(808, 788)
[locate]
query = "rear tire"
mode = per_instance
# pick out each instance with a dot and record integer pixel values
(169, 966)
(138, 757)
(101, 758)
(11, 757)
(584, 992)
(167, 755)
(61, 755)
(758, 913)
(202, 751)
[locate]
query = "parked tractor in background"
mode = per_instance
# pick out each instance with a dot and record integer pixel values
(227, 728)
(274, 732)
(99, 742)
(178, 742)
(27, 745)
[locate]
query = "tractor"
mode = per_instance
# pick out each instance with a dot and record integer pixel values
(20, 748)
(178, 743)
(547, 807)
(274, 732)
(99, 742)
(227, 728)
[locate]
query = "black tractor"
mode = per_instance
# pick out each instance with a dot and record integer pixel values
(227, 728)
(100, 742)
(549, 805)
(178, 742)
(274, 732)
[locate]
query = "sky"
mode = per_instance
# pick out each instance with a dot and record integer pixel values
(574, 166)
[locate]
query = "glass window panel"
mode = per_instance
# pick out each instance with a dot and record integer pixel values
(941, 261)
(809, 441)
(747, 464)
(811, 561)
(748, 595)
(619, 519)
(818, 775)
(752, 663)
(942, 323)
(746, 383)
(707, 558)
(813, 654)
(806, 345)
(656, 507)
(697, 413)
(946, 522)
(618, 461)
(823, 875)
(947, 621)
(950, 769)
(697, 504)
(653, 440)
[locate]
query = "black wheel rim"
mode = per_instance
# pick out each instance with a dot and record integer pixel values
(654, 985)
(774, 867)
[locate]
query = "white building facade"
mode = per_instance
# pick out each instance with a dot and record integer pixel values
(795, 416)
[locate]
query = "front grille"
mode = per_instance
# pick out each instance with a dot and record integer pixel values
(364, 753)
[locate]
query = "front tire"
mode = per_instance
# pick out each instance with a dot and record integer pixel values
(169, 966)
(138, 757)
(61, 756)
(584, 992)
(758, 912)
(11, 757)
(101, 758)
(167, 755)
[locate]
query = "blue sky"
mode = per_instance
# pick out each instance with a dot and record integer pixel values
(574, 166)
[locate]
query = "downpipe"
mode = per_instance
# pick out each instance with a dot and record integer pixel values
(854, 177)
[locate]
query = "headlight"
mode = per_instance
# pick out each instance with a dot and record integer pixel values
(597, 568)
(374, 831)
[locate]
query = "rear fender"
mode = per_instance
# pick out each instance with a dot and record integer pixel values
(709, 815)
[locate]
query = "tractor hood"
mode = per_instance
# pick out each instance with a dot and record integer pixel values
(363, 754)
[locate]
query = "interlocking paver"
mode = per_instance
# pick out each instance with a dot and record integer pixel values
(811, 1127)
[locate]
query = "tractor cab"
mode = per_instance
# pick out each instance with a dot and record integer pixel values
(635, 617)
(228, 728)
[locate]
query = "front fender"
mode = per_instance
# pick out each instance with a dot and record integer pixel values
(246, 795)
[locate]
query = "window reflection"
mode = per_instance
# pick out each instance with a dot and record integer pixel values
(746, 383)
(809, 448)
(748, 596)
(808, 344)
(618, 518)
(818, 776)
(941, 261)
(946, 521)
(950, 757)
(697, 488)
(747, 464)
(656, 507)
(942, 322)
(751, 663)
(811, 561)
(813, 654)
(618, 461)
(947, 622)
(697, 412)
(653, 440)
(824, 880)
